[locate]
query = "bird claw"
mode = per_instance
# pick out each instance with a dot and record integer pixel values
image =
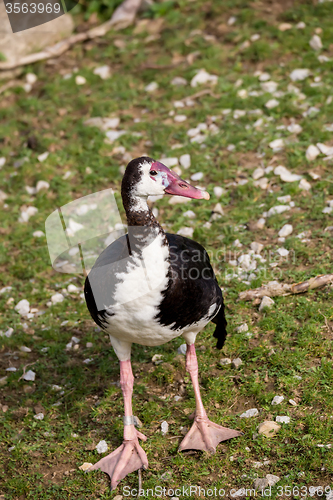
(205, 435)
(128, 458)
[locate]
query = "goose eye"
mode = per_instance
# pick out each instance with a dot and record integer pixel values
(153, 172)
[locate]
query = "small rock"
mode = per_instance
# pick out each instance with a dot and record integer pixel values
(11, 369)
(38, 234)
(24, 348)
(218, 191)
(278, 209)
(57, 298)
(272, 103)
(197, 176)
(151, 87)
(258, 172)
(157, 359)
(170, 162)
(242, 328)
(284, 199)
(312, 152)
(185, 161)
(304, 185)
(218, 209)
(268, 428)
(203, 77)
(2, 161)
(175, 199)
(80, 80)
(186, 231)
(103, 71)
(137, 422)
(225, 361)
(277, 400)
(3, 381)
(101, 447)
(299, 74)
(164, 427)
(252, 412)
(283, 252)
(316, 43)
(285, 230)
(285, 26)
(39, 416)
(239, 493)
(261, 223)
(178, 81)
(23, 307)
(190, 214)
(256, 247)
(292, 402)
(272, 480)
(301, 25)
(237, 362)
(262, 183)
(283, 419)
(85, 466)
(277, 144)
(29, 376)
(73, 289)
(266, 302)
(182, 349)
(294, 128)
(42, 157)
(42, 185)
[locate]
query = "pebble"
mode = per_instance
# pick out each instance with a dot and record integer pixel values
(272, 103)
(2, 161)
(103, 71)
(182, 349)
(38, 234)
(312, 152)
(11, 369)
(170, 162)
(272, 479)
(278, 209)
(218, 209)
(286, 175)
(261, 223)
(301, 25)
(284, 199)
(283, 419)
(283, 252)
(175, 199)
(268, 428)
(164, 427)
(262, 183)
(197, 176)
(73, 289)
(252, 412)
(23, 307)
(29, 376)
(186, 231)
(180, 118)
(269, 87)
(266, 302)
(258, 172)
(294, 128)
(24, 348)
(203, 77)
(237, 362)
(42, 157)
(298, 75)
(242, 328)
(39, 416)
(277, 144)
(256, 247)
(26, 213)
(218, 191)
(151, 87)
(277, 400)
(101, 447)
(304, 185)
(285, 231)
(225, 361)
(185, 161)
(57, 298)
(178, 81)
(157, 359)
(316, 43)
(80, 80)
(3, 381)
(285, 26)
(190, 214)
(85, 466)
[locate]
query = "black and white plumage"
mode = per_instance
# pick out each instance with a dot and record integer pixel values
(149, 287)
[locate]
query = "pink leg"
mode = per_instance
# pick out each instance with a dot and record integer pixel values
(129, 456)
(204, 434)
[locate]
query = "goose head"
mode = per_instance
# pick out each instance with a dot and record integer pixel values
(146, 177)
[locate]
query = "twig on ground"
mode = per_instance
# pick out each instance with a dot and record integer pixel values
(275, 289)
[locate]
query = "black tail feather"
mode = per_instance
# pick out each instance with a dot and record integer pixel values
(221, 327)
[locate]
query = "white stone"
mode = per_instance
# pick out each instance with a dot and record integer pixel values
(252, 412)
(285, 26)
(186, 231)
(272, 103)
(270, 87)
(258, 172)
(39, 416)
(151, 87)
(23, 307)
(185, 161)
(264, 77)
(242, 328)
(11, 369)
(197, 176)
(312, 152)
(2, 161)
(277, 400)
(277, 144)
(80, 80)
(301, 25)
(218, 191)
(178, 81)
(272, 479)
(169, 162)
(29, 376)
(304, 185)
(237, 243)
(266, 302)
(180, 118)
(283, 419)
(256, 247)
(316, 43)
(42, 185)
(225, 361)
(298, 75)
(103, 71)
(57, 298)
(24, 348)
(182, 349)
(43, 156)
(102, 447)
(278, 209)
(242, 93)
(294, 128)
(283, 252)
(292, 402)
(238, 113)
(255, 37)
(175, 199)
(262, 183)
(73, 289)
(190, 214)
(232, 20)
(203, 77)
(284, 199)
(85, 466)
(237, 362)
(285, 230)
(164, 427)
(286, 175)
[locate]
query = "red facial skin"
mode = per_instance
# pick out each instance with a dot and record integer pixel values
(177, 186)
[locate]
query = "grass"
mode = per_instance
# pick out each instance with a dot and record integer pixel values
(40, 458)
